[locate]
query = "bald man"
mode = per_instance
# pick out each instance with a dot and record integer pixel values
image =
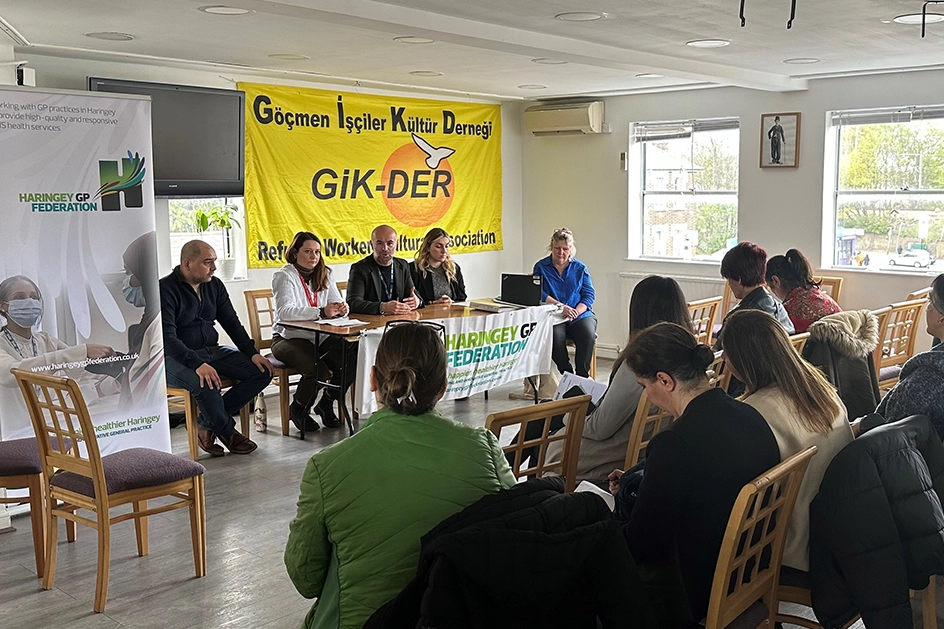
(191, 301)
(380, 283)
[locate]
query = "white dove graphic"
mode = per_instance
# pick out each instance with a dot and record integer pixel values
(436, 155)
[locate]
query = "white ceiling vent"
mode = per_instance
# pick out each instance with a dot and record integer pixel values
(565, 119)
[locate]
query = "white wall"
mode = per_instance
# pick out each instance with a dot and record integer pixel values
(576, 181)
(482, 271)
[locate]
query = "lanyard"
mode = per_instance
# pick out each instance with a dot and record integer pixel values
(312, 299)
(388, 288)
(9, 336)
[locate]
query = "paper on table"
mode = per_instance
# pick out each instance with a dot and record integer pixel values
(343, 323)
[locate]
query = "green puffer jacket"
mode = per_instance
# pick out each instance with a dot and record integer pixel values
(366, 501)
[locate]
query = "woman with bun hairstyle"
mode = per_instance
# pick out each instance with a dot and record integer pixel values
(366, 501)
(696, 467)
(790, 278)
(437, 278)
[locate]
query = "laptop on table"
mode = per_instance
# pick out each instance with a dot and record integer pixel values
(520, 289)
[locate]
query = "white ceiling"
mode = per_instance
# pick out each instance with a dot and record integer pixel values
(486, 47)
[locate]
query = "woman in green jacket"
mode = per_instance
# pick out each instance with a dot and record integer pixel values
(366, 501)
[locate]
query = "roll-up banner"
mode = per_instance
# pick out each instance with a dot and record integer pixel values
(78, 266)
(339, 164)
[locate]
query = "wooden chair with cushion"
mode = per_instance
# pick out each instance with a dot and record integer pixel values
(704, 315)
(519, 418)
(744, 590)
(19, 468)
(261, 309)
(178, 397)
(77, 475)
(898, 326)
(831, 285)
(799, 341)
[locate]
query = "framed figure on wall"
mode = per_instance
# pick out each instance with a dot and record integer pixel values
(780, 140)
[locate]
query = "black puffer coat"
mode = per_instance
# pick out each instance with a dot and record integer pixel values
(528, 556)
(877, 527)
(841, 346)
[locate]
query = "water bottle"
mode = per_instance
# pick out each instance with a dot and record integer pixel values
(260, 414)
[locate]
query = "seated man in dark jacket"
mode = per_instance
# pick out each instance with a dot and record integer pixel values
(380, 283)
(191, 300)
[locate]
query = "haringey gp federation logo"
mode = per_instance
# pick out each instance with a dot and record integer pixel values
(114, 184)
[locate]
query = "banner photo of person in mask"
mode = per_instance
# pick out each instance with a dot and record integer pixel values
(78, 272)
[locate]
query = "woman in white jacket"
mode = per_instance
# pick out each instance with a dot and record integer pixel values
(305, 290)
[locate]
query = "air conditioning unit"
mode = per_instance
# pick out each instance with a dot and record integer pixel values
(565, 119)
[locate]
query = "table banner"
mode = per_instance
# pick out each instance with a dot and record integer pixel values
(339, 164)
(482, 352)
(78, 270)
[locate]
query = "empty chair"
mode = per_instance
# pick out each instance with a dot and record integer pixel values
(75, 474)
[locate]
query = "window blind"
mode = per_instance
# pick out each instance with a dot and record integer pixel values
(680, 129)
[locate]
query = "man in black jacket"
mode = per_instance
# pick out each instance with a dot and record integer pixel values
(191, 300)
(380, 283)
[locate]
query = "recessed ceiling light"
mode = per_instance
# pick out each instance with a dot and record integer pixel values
(111, 36)
(580, 16)
(649, 75)
(801, 60)
(426, 73)
(708, 43)
(532, 86)
(915, 19)
(289, 57)
(544, 61)
(409, 39)
(222, 9)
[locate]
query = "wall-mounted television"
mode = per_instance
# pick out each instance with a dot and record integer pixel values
(198, 136)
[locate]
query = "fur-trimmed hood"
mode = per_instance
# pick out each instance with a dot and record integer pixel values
(853, 333)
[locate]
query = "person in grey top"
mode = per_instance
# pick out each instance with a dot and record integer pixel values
(437, 278)
(607, 428)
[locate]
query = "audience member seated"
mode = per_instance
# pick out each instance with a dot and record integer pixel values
(920, 389)
(696, 467)
(800, 406)
(437, 278)
(790, 278)
(380, 283)
(607, 427)
(366, 501)
(566, 282)
(305, 290)
(743, 268)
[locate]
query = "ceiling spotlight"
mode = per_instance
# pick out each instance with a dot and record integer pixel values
(409, 39)
(914, 19)
(708, 43)
(111, 36)
(649, 75)
(532, 86)
(426, 73)
(222, 9)
(544, 61)
(289, 57)
(801, 60)
(580, 16)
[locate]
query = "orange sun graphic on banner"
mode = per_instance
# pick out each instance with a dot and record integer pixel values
(417, 195)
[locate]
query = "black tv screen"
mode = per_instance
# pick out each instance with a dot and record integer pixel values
(198, 136)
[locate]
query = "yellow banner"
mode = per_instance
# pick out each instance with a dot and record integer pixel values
(339, 164)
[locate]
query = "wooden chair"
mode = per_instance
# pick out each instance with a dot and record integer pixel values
(261, 317)
(831, 285)
(718, 373)
(575, 407)
(744, 590)
(799, 341)
(920, 294)
(19, 468)
(728, 301)
(897, 327)
(704, 314)
(95, 483)
(179, 397)
(342, 288)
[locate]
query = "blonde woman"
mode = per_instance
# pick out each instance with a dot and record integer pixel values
(566, 283)
(437, 278)
(800, 406)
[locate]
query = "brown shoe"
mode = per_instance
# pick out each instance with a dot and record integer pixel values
(206, 439)
(239, 443)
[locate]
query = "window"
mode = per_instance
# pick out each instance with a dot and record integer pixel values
(889, 188)
(219, 222)
(688, 193)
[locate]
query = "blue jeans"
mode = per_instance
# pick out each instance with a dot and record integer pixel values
(216, 409)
